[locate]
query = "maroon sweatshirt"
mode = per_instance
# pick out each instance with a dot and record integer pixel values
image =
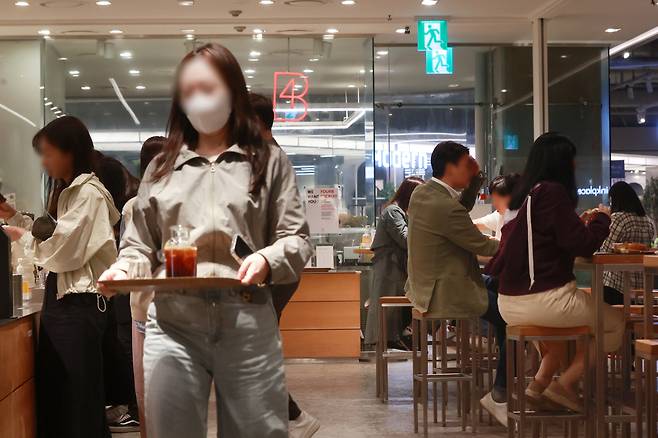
(559, 236)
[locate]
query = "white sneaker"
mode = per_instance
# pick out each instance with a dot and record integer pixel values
(498, 410)
(304, 426)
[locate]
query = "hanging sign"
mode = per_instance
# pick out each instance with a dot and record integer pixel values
(433, 40)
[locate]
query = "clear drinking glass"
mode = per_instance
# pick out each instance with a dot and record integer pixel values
(139, 269)
(180, 253)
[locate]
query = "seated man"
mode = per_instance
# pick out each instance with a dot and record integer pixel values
(444, 275)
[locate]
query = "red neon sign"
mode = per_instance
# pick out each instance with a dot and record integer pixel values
(290, 88)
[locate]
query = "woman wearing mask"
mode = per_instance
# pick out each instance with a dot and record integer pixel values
(390, 265)
(535, 263)
(218, 177)
(76, 250)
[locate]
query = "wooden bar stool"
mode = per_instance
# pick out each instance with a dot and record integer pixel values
(383, 354)
(646, 353)
(465, 376)
(517, 408)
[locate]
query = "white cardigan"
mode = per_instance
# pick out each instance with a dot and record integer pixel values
(82, 246)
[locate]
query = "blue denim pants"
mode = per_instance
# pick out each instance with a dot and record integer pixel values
(228, 336)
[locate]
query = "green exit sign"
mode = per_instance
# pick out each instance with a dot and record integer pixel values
(433, 40)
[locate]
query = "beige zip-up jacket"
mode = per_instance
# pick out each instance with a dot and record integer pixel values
(82, 246)
(213, 200)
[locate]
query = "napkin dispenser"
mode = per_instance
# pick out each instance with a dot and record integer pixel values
(6, 281)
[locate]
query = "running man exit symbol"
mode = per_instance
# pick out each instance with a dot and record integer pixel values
(433, 40)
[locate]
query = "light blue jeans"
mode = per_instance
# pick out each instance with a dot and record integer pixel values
(229, 336)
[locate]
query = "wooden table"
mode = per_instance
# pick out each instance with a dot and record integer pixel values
(650, 270)
(626, 264)
(364, 251)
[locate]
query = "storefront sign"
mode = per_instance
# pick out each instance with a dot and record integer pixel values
(290, 88)
(322, 209)
(593, 191)
(433, 40)
(413, 160)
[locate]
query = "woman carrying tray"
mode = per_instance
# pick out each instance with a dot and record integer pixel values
(217, 177)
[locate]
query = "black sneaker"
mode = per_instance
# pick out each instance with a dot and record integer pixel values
(124, 424)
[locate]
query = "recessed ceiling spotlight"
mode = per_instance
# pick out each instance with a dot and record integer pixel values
(250, 71)
(134, 72)
(378, 57)
(564, 56)
(382, 52)
(504, 90)
(21, 4)
(103, 2)
(266, 2)
(351, 86)
(126, 54)
(44, 32)
(250, 76)
(47, 104)
(328, 37)
(313, 59)
(140, 87)
(116, 31)
(85, 88)
(362, 71)
(401, 30)
(188, 30)
(63, 58)
(74, 72)
(307, 70)
(41, 87)
(626, 55)
(254, 59)
(332, 30)
(613, 29)
(45, 99)
(429, 2)
(254, 54)
(348, 2)
(185, 2)
(189, 36)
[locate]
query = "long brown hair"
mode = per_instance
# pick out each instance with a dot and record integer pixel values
(70, 135)
(243, 127)
(403, 194)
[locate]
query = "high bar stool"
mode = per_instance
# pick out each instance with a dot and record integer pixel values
(646, 353)
(517, 410)
(383, 354)
(464, 375)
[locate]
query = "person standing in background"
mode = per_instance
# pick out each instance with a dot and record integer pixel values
(500, 189)
(301, 424)
(629, 224)
(218, 177)
(78, 247)
(390, 266)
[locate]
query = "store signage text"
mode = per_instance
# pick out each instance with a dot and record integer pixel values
(592, 191)
(413, 161)
(433, 40)
(290, 90)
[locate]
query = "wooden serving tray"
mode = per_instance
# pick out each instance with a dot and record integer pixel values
(169, 284)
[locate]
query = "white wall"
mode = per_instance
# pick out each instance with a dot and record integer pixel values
(20, 118)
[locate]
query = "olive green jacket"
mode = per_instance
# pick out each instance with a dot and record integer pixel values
(444, 275)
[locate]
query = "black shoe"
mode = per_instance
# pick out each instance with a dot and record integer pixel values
(124, 424)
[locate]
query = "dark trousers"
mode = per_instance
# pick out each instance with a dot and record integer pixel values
(69, 367)
(492, 316)
(281, 295)
(612, 296)
(117, 354)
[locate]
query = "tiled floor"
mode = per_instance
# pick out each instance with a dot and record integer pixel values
(342, 396)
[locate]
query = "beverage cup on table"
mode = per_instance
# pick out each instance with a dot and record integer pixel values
(139, 269)
(180, 253)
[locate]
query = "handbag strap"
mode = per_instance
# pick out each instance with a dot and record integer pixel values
(531, 256)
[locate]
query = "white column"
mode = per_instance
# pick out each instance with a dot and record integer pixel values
(539, 76)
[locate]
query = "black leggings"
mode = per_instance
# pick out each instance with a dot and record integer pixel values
(70, 390)
(612, 296)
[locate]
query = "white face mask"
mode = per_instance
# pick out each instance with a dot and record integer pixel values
(208, 113)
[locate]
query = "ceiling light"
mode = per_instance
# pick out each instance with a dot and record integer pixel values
(401, 30)
(187, 30)
(250, 76)
(504, 90)
(378, 57)
(116, 31)
(307, 70)
(257, 36)
(45, 99)
(44, 32)
(54, 108)
(626, 55)
(382, 52)
(58, 112)
(47, 104)
(63, 58)
(254, 54)
(257, 30)
(564, 56)
(185, 2)
(140, 87)
(250, 71)
(328, 37)
(253, 60)
(348, 2)
(453, 85)
(126, 55)
(613, 29)
(362, 71)
(429, 2)
(266, 2)
(189, 37)
(41, 87)
(103, 2)
(313, 59)
(21, 4)
(74, 72)
(635, 41)
(641, 116)
(134, 72)
(351, 86)
(85, 88)
(332, 30)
